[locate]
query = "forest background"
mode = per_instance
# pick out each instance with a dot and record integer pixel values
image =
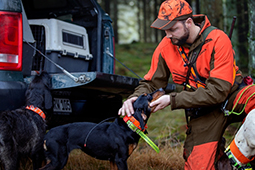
(132, 20)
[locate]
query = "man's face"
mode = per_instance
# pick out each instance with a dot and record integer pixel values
(178, 34)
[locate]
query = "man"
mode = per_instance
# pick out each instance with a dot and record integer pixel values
(208, 72)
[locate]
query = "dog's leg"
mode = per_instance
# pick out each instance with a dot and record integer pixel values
(10, 160)
(122, 165)
(37, 159)
(63, 156)
(48, 167)
(10, 166)
(113, 165)
(223, 163)
(121, 160)
(56, 153)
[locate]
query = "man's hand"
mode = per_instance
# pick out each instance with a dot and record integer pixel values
(160, 103)
(127, 107)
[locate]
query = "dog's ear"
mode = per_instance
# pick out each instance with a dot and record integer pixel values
(47, 99)
(46, 78)
(157, 94)
(47, 94)
(141, 107)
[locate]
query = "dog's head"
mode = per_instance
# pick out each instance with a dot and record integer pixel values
(142, 108)
(38, 92)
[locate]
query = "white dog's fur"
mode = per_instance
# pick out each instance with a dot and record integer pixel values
(245, 137)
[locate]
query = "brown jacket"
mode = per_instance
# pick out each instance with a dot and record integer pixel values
(215, 62)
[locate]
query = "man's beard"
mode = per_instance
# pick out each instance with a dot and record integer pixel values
(181, 40)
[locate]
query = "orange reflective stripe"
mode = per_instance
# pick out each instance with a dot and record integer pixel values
(238, 154)
(184, 57)
(36, 110)
(192, 71)
(200, 85)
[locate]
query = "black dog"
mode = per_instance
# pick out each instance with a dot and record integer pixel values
(22, 130)
(113, 141)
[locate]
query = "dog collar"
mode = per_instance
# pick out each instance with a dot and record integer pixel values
(135, 122)
(134, 125)
(36, 110)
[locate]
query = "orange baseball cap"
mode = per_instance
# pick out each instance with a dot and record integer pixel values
(170, 12)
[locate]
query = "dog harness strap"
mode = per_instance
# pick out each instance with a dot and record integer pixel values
(238, 154)
(191, 62)
(135, 122)
(36, 110)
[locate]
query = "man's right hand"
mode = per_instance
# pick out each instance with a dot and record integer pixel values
(127, 107)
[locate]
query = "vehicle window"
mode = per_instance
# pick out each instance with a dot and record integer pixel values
(42, 4)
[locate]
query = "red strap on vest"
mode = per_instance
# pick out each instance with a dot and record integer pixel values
(36, 110)
(134, 121)
(185, 58)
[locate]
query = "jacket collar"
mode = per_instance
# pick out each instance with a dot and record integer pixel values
(202, 21)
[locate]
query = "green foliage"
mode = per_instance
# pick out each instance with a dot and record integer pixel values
(136, 56)
(252, 72)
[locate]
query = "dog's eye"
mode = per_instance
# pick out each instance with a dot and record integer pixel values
(139, 110)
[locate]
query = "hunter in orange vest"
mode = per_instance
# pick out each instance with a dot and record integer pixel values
(201, 58)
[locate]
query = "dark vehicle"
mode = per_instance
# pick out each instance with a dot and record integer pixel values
(73, 41)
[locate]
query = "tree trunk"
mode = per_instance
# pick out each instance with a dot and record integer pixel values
(251, 37)
(139, 19)
(144, 21)
(229, 12)
(107, 7)
(148, 11)
(197, 6)
(243, 28)
(214, 12)
(155, 9)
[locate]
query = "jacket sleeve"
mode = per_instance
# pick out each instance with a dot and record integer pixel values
(221, 77)
(156, 78)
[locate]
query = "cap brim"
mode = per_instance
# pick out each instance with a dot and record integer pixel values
(162, 24)
(166, 24)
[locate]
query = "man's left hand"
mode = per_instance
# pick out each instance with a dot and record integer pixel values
(160, 103)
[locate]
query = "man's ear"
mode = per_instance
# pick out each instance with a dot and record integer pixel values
(189, 22)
